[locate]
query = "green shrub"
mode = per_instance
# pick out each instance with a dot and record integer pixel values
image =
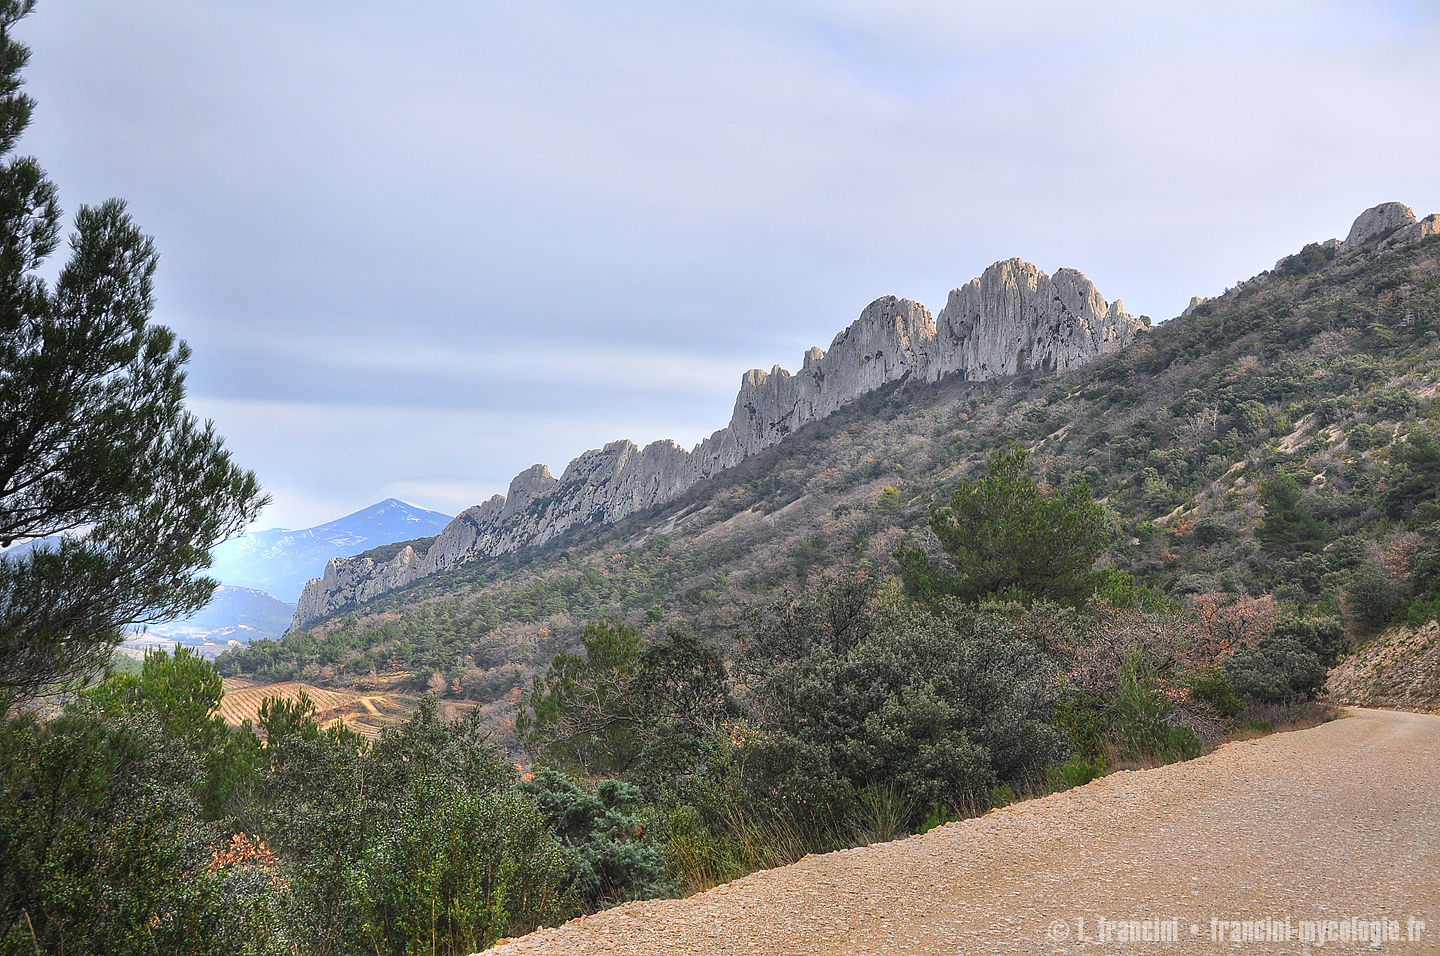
(1212, 686)
(1414, 478)
(697, 856)
(645, 708)
(1420, 611)
(854, 686)
(1324, 637)
(1082, 728)
(1289, 527)
(453, 871)
(1210, 531)
(937, 816)
(420, 837)
(1004, 532)
(1276, 670)
(1371, 597)
(881, 811)
(604, 833)
(1075, 772)
(1139, 726)
(1312, 258)
(102, 846)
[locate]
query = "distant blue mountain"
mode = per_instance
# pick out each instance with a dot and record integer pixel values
(279, 562)
(20, 549)
(234, 616)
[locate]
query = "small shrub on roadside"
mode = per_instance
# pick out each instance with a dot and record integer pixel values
(1139, 726)
(1276, 670)
(1212, 687)
(1075, 772)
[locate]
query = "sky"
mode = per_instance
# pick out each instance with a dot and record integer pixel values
(419, 247)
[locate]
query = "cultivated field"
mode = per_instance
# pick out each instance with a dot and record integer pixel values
(364, 713)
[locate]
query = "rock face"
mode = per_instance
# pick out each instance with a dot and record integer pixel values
(1376, 221)
(1013, 318)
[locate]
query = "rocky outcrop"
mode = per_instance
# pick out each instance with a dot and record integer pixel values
(1377, 221)
(1414, 232)
(1013, 318)
(1399, 669)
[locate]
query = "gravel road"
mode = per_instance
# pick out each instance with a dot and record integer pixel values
(1329, 824)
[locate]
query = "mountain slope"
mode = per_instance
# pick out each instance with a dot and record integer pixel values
(1014, 318)
(280, 561)
(1324, 368)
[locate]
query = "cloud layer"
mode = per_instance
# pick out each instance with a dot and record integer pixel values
(419, 248)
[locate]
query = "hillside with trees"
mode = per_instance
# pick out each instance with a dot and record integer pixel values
(940, 599)
(1269, 453)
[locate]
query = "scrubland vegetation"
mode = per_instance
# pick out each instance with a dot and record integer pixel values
(938, 600)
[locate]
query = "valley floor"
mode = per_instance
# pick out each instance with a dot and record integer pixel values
(1326, 824)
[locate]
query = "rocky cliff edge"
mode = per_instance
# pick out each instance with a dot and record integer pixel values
(1013, 318)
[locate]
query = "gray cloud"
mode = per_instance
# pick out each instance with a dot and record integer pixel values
(424, 247)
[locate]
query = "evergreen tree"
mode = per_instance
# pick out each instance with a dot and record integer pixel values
(97, 452)
(1004, 533)
(1289, 526)
(1414, 479)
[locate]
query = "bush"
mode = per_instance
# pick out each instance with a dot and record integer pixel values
(698, 857)
(420, 836)
(101, 836)
(1212, 687)
(1312, 258)
(1075, 772)
(1370, 597)
(856, 687)
(1421, 612)
(1324, 637)
(453, 871)
(1082, 729)
(1276, 670)
(603, 832)
(1210, 531)
(628, 706)
(1414, 479)
(1139, 726)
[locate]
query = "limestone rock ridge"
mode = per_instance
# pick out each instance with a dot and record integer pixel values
(1013, 318)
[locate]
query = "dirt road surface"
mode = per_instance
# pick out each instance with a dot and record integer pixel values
(1336, 829)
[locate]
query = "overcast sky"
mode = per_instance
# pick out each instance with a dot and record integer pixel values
(418, 247)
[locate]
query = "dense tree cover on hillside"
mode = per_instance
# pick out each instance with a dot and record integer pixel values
(95, 441)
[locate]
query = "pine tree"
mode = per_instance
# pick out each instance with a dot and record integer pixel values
(98, 455)
(1005, 534)
(1289, 527)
